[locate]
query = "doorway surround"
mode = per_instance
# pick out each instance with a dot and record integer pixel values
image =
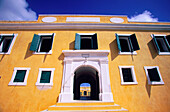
(96, 59)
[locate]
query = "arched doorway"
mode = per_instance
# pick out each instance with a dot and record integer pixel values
(86, 75)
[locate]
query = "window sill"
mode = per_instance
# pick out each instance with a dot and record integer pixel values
(128, 53)
(43, 84)
(164, 53)
(50, 52)
(17, 84)
(129, 83)
(4, 53)
(156, 83)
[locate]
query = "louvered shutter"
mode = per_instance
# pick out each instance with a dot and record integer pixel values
(156, 44)
(118, 42)
(1, 37)
(94, 41)
(10, 43)
(35, 43)
(77, 42)
(134, 42)
(167, 40)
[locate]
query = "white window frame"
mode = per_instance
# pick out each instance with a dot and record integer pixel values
(14, 75)
(12, 43)
(127, 53)
(161, 53)
(147, 75)
(44, 34)
(39, 77)
(133, 75)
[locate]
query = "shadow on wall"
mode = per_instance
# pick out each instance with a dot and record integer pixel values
(28, 52)
(148, 88)
(1, 60)
(45, 58)
(61, 57)
(152, 49)
(71, 45)
(1, 109)
(113, 49)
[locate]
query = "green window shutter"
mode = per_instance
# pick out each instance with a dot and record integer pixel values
(118, 42)
(134, 42)
(156, 44)
(167, 38)
(10, 43)
(1, 37)
(45, 77)
(77, 42)
(94, 41)
(52, 40)
(35, 43)
(20, 76)
(131, 46)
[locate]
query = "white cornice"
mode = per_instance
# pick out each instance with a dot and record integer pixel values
(83, 26)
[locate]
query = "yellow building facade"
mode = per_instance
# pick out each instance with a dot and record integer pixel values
(85, 91)
(43, 63)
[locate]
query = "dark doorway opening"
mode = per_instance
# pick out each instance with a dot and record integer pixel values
(86, 75)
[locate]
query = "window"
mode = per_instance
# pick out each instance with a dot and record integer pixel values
(86, 41)
(42, 43)
(127, 74)
(19, 76)
(45, 76)
(6, 43)
(127, 43)
(162, 44)
(153, 75)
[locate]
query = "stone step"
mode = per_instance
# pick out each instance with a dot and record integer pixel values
(111, 110)
(85, 107)
(84, 103)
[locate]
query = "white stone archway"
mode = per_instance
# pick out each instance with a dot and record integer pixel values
(75, 59)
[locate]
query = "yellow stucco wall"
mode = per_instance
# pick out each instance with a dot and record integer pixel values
(135, 98)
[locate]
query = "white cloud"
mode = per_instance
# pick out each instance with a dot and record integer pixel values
(16, 10)
(146, 16)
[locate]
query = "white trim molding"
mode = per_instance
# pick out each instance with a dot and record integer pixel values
(75, 26)
(46, 34)
(147, 75)
(83, 19)
(133, 75)
(14, 75)
(39, 77)
(12, 43)
(96, 59)
(128, 53)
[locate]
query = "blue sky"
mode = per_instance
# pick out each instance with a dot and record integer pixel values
(85, 85)
(136, 10)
